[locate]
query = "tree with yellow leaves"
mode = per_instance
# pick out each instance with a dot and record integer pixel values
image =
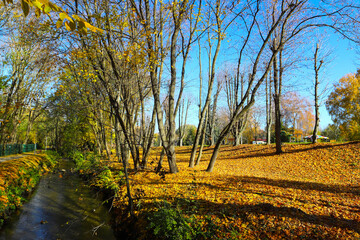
(343, 105)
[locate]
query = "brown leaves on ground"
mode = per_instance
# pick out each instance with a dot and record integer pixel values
(309, 191)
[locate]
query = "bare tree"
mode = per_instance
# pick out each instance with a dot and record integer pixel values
(292, 18)
(234, 90)
(220, 13)
(319, 61)
(268, 109)
(152, 20)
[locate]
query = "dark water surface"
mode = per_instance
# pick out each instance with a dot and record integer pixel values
(62, 207)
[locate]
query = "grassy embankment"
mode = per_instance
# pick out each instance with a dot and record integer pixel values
(18, 177)
(308, 192)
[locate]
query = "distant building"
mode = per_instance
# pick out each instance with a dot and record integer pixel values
(321, 138)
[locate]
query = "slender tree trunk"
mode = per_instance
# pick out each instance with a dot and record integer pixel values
(124, 162)
(213, 116)
(181, 127)
(28, 129)
(159, 166)
(316, 95)
(149, 138)
(212, 68)
(277, 106)
(268, 110)
(226, 130)
(156, 49)
(237, 139)
(170, 148)
(202, 139)
(182, 121)
(103, 138)
(97, 138)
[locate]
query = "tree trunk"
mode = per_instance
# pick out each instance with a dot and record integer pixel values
(28, 129)
(202, 139)
(103, 138)
(159, 166)
(148, 141)
(171, 156)
(182, 121)
(277, 107)
(124, 162)
(226, 130)
(237, 139)
(170, 146)
(215, 154)
(268, 110)
(208, 97)
(213, 115)
(316, 95)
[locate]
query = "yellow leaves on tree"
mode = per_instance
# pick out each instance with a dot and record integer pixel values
(45, 7)
(343, 105)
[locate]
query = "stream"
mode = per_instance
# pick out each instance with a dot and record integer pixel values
(61, 207)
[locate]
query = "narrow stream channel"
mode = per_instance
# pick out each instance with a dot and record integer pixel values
(62, 207)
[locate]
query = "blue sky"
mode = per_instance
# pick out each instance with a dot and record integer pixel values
(344, 61)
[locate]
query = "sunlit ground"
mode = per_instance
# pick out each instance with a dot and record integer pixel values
(310, 191)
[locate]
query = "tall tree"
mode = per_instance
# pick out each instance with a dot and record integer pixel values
(290, 19)
(269, 117)
(244, 105)
(29, 65)
(234, 90)
(179, 13)
(321, 59)
(222, 20)
(317, 67)
(343, 105)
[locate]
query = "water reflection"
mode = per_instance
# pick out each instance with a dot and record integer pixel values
(62, 207)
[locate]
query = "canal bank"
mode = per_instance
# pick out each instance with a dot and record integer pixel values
(18, 178)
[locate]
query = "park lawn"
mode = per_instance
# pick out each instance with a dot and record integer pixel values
(308, 192)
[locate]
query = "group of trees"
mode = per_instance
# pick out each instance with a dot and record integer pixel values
(27, 73)
(97, 74)
(117, 71)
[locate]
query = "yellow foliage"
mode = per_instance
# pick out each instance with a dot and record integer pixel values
(343, 105)
(13, 174)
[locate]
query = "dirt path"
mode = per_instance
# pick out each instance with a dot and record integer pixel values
(7, 158)
(11, 157)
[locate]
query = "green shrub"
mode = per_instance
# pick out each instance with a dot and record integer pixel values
(92, 157)
(169, 223)
(285, 136)
(77, 157)
(108, 180)
(53, 157)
